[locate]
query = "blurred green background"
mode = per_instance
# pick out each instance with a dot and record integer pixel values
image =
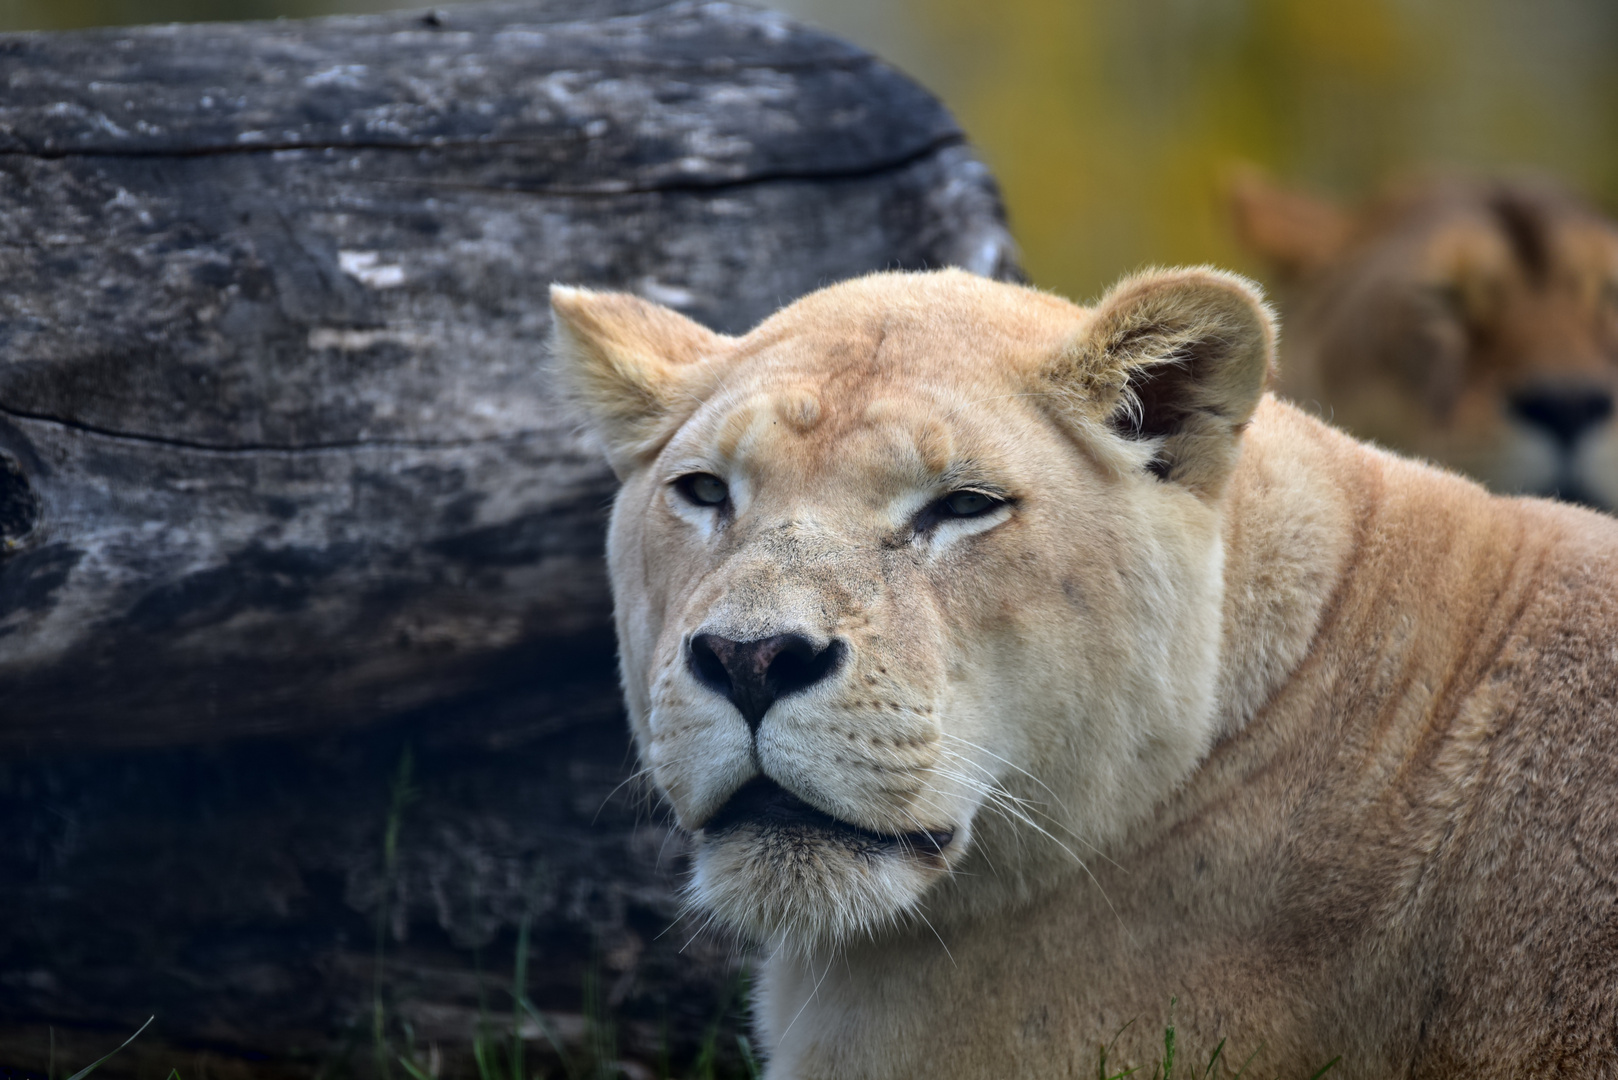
(1113, 123)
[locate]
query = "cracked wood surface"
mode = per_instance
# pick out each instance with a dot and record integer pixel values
(605, 97)
(276, 448)
(284, 497)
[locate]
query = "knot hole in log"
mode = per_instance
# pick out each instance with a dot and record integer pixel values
(19, 506)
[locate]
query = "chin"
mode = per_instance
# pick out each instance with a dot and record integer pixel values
(777, 870)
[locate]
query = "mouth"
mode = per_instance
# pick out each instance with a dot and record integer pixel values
(763, 803)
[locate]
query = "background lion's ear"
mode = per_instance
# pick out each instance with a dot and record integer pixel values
(1174, 359)
(636, 369)
(1295, 233)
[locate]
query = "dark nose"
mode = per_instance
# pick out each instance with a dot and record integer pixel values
(755, 674)
(1564, 412)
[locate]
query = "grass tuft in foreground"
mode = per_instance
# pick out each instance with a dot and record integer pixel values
(1164, 1068)
(501, 1055)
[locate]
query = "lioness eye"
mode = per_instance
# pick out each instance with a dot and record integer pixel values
(704, 489)
(956, 506)
(1447, 298)
(969, 503)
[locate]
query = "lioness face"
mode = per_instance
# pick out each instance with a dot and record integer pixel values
(1473, 324)
(924, 568)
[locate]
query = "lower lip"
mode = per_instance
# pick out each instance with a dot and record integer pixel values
(763, 802)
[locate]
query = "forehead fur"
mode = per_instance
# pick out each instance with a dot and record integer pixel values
(892, 328)
(1531, 229)
(1527, 226)
(1162, 373)
(889, 368)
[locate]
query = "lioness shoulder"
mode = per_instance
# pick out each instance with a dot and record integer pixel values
(1020, 668)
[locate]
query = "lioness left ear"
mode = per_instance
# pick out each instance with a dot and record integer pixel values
(637, 370)
(1178, 358)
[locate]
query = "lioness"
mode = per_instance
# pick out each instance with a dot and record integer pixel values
(1020, 667)
(1471, 322)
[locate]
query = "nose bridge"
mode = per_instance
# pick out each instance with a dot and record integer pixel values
(800, 545)
(1555, 339)
(788, 577)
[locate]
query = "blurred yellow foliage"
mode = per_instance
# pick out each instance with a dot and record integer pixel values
(1113, 123)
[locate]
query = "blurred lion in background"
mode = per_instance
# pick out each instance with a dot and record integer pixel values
(1471, 322)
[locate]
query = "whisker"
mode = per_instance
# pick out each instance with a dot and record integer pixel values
(812, 995)
(1009, 764)
(917, 912)
(706, 923)
(1030, 806)
(630, 779)
(1013, 808)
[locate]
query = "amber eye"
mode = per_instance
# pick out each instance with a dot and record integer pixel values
(703, 489)
(968, 503)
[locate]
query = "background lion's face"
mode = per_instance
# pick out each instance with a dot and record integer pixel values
(1473, 324)
(885, 612)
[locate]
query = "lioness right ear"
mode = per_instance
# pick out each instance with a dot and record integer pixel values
(1295, 233)
(1175, 360)
(637, 370)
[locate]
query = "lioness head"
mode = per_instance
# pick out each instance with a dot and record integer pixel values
(918, 583)
(1474, 323)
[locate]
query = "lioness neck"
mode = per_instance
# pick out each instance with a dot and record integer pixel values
(1320, 529)
(1289, 513)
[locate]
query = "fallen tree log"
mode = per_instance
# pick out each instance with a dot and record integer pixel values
(279, 452)
(285, 500)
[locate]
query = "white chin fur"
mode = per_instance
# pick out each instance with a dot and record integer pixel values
(803, 889)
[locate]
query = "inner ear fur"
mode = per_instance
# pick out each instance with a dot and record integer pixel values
(636, 369)
(1177, 359)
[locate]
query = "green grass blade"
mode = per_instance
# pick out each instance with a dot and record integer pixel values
(1324, 1069)
(551, 1037)
(708, 1051)
(413, 1069)
(1101, 1062)
(1220, 1049)
(749, 1059)
(90, 1068)
(519, 993)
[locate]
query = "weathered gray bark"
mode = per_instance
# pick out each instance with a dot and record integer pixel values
(283, 490)
(279, 450)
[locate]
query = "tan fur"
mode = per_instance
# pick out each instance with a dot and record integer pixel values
(1222, 707)
(1428, 319)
